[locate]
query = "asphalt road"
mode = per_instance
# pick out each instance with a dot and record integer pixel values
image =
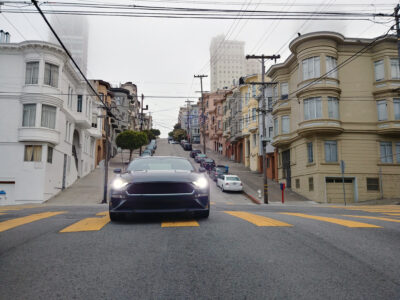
(242, 251)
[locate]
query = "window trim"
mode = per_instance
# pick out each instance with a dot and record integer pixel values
(380, 103)
(34, 115)
(381, 63)
(369, 185)
(331, 142)
(316, 103)
(386, 143)
(50, 76)
(33, 153)
(310, 150)
(26, 73)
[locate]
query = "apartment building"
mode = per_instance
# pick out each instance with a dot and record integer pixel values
(49, 127)
(323, 116)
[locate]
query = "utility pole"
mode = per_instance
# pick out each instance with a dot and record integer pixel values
(188, 119)
(202, 111)
(142, 119)
(106, 129)
(264, 142)
(396, 15)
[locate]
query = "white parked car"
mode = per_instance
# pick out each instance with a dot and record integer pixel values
(229, 183)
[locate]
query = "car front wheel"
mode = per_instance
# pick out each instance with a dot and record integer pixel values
(115, 217)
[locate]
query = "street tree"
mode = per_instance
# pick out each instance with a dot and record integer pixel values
(131, 140)
(179, 134)
(156, 132)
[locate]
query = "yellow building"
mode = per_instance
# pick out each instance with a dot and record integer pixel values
(250, 120)
(323, 115)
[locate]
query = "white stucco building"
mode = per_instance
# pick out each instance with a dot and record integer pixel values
(49, 124)
(228, 62)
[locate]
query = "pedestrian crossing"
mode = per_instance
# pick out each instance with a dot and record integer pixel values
(99, 221)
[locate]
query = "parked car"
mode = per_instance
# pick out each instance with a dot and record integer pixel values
(154, 143)
(187, 146)
(147, 153)
(216, 171)
(194, 152)
(183, 142)
(151, 148)
(199, 157)
(207, 164)
(174, 142)
(229, 183)
(160, 189)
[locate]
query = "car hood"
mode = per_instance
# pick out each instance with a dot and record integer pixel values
(161, 176)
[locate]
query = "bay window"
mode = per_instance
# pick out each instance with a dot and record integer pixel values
(32, 72)
(398, 152)
(382, 110)
(311, 67)
(51, 75)
(379, 69)
(33, 153)
(285, 124)
(394, 68)
(312, 108)
(253, 114)
(331, 64)
(333, 108)
(29, 115)
(276, 127)
(310, 153)
(284, 90)
(48, 116)
(386, 152)
(396, 107)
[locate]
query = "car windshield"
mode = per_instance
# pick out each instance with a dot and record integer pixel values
(232, 178)
(160, 163)
(208, 160)
(201, 155)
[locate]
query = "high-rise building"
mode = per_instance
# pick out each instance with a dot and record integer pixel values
(228, 62)
(74, 32)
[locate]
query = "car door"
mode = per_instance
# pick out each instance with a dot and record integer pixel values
(220, 179)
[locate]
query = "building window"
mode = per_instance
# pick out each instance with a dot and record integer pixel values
(311, 67)
(394, 68)
(379, 70)
(310, 153)
(269, 100)
(284, 90)
(398, 152)
(254, 90)
(285, 124)
(32, 72)
(219, 124)
(333, 108)
(396, 106)
(51, 75)
(29, 115)
(372, 184)
(48, 116)
(331, 151)
(254, 140)
(33, 153)
(386, 152)
(382, 110)
(312, 108)
(331, 64)
(276, 127)
(270, 132)
(297, 183)
(79, 103)
(254, 114)
(50, 155)
(310, 184)
(246, 98)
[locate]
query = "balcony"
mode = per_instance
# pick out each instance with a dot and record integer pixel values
(95, 132)
(384, 87)
(38, 134)
(321, 86)
(82, 121)
(320, 126)
(389, 127)
(282, 140)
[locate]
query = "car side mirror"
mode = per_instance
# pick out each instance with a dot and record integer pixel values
(117, 171)
(201, 170)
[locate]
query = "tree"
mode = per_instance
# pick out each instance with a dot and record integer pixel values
(171, 133)
(177, 126)
(156, 132)
(179, 134)
(131, 140)
(150, 135)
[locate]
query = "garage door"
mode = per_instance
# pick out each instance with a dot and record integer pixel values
(334, 190)
(7, 193)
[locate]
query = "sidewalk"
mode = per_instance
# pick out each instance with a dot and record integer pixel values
(89, 189)
(253, 181)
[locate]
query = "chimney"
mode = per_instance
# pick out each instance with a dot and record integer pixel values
(4, 37)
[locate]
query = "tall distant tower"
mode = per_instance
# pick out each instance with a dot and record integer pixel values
(74, 32)
(228, 62)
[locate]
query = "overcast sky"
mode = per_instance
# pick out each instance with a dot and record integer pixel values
(161, 55)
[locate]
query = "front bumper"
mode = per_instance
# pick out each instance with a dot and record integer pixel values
(159, 203)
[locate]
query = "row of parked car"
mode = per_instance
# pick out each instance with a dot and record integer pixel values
(218, 173)
(150, 148)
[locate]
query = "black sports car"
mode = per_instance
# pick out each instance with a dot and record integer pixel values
(159, 184)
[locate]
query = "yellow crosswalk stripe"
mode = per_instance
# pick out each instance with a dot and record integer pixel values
(351, 224)
(374, 218)
(89, 224)
(258, 220)
(392, 214)
(188, 223)
(9, 224)
(15, 207)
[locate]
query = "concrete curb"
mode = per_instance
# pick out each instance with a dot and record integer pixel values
(254, 200)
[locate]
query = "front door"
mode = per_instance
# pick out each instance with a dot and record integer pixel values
(286, 167)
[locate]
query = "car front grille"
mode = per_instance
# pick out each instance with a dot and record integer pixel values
(160, 188)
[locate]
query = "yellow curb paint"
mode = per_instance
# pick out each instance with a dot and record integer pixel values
(9, 224)
(189, 223)
(351, 224)
(89, 224)
(15, 207)
(257, 219)
(212, 203)
(373, 218)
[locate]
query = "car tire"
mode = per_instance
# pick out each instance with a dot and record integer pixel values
(203, 214)
(114, 217)
(222, 188)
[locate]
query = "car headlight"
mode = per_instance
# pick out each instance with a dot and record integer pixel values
(201, 183)
(119, 183)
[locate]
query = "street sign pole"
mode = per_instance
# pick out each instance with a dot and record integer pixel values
(342, 167)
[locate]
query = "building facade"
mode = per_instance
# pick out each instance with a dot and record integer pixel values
(350, 114)
(48, 135)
